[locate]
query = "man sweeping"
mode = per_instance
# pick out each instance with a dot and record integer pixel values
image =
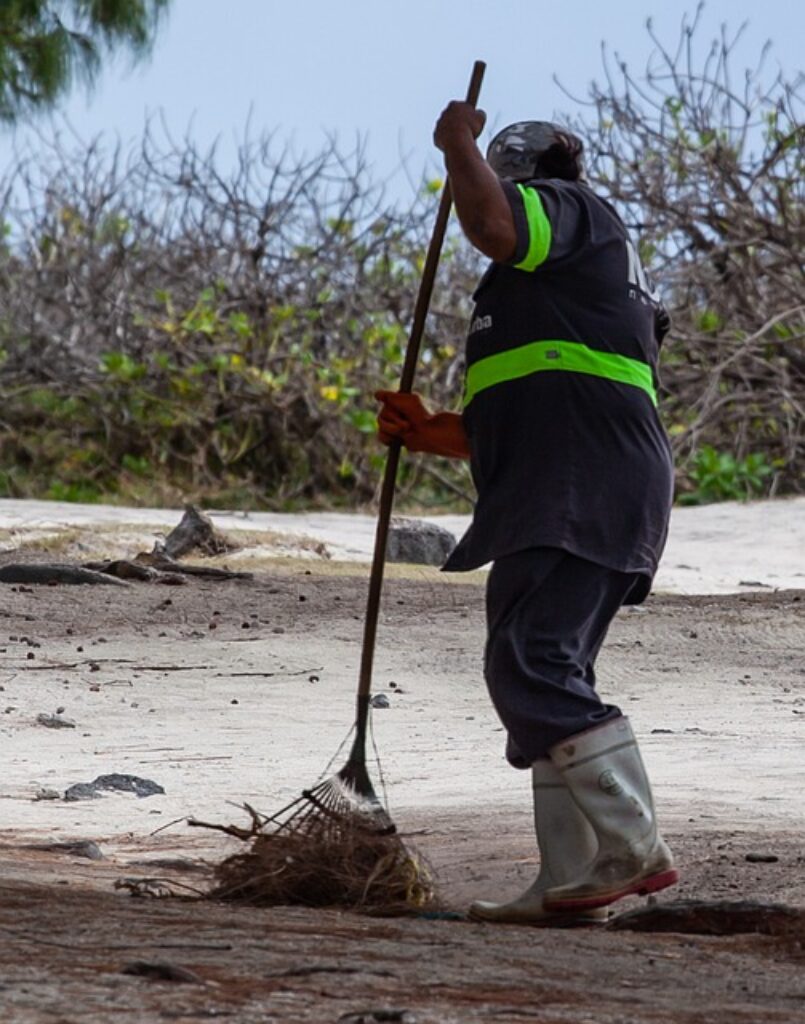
(574, 478)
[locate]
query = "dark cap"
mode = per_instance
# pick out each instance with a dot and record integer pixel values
(516, 151)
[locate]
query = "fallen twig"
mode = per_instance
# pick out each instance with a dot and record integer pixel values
(266, 675)
(163, 563)
(157, 888)
(48, 574)
(303, 972)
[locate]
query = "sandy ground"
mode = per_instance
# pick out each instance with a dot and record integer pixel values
(242, 691)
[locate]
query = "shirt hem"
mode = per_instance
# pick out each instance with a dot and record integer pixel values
(472, 563)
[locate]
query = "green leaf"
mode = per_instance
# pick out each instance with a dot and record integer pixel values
(709, 321)
(122, 366)
(363, 420)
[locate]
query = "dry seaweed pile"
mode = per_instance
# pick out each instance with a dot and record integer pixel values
(348, 867)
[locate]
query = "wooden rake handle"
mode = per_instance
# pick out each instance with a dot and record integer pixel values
(393, 459)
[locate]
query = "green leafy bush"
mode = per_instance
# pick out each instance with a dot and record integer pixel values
(224, 345)
(719, 476)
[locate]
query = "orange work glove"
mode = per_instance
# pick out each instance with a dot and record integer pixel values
(404, 418)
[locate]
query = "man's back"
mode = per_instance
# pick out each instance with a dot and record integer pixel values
(560, 398)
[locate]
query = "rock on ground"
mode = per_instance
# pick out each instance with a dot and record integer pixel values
(418, 542)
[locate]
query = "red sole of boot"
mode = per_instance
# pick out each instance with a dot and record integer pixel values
(644, 887)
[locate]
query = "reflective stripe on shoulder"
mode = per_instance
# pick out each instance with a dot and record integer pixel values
(570, 356)
(539, 229)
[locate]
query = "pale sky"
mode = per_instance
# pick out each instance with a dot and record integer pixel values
(385, 69)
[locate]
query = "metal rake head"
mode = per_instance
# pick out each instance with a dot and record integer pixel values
(338, 804)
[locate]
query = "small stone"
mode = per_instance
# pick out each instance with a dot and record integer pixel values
(380, 700)
(387, 1016)
(762, 858)
(278, 629)
(47, 794)
(115, 782)
(54, 721)
(73, 848)
(312, 679)
(82, 848)
(159, 970)
(234, 701)
(81, 791)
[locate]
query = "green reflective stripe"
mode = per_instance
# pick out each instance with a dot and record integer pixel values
(539, 229)
(570, 356)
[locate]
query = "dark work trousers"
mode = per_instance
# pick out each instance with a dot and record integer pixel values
(547, 615)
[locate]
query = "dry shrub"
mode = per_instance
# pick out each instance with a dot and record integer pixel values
(348, 867)
(705, 159)
(172, 330)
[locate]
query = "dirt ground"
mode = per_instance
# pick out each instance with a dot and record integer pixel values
(242, 691)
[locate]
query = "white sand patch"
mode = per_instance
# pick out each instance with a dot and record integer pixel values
(713, 549)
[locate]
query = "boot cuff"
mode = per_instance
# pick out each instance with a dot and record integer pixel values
(602, 739)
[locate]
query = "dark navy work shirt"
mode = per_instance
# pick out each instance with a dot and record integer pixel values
(567, 449)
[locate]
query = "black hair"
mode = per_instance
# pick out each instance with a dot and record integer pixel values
(562, 159)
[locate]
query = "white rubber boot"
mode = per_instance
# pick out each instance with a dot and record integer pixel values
(566, 844)
(604, 771)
